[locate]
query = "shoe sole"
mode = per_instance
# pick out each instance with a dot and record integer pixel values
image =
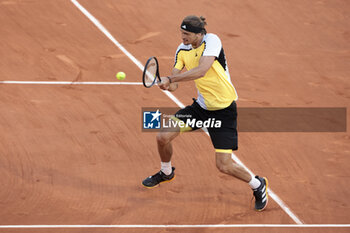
(165, 181)
(267, 194)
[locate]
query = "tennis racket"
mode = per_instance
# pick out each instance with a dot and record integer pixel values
(151, 72)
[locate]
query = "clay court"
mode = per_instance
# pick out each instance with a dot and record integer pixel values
(72, 151)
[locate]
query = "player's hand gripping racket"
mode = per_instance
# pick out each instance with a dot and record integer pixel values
(151, 72)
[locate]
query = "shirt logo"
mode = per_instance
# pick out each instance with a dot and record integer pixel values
(151, 120)
(183, 26)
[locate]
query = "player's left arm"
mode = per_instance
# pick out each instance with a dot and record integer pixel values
(205, 63)
(173, 86)
(169, 86)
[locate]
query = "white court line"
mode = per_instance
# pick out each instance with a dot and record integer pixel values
(70, 83)
(172, 97)
(184, 226)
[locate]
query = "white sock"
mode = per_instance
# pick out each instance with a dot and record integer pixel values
(166, 168)
(254, 183)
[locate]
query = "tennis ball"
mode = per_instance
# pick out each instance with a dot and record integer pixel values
(120, 75)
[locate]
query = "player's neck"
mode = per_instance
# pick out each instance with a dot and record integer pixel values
(198, 42)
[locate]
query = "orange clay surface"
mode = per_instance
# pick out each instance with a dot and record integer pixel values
(75, 154)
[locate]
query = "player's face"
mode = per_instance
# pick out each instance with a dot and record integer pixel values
(189, 37)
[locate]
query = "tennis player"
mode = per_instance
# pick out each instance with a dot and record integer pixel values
(202, 55)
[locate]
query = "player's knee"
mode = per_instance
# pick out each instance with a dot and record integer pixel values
(162, 139)
(222, 168)
(223, 165)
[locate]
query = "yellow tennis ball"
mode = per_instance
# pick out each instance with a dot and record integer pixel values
(121, 75)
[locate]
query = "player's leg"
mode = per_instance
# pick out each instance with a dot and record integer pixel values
(165, 148)
(164, 138)
(225, 164)
(165, 151)
(225, 139)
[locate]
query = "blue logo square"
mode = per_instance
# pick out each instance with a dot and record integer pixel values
(151, 120)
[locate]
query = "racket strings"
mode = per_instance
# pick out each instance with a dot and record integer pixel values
(150, 72)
